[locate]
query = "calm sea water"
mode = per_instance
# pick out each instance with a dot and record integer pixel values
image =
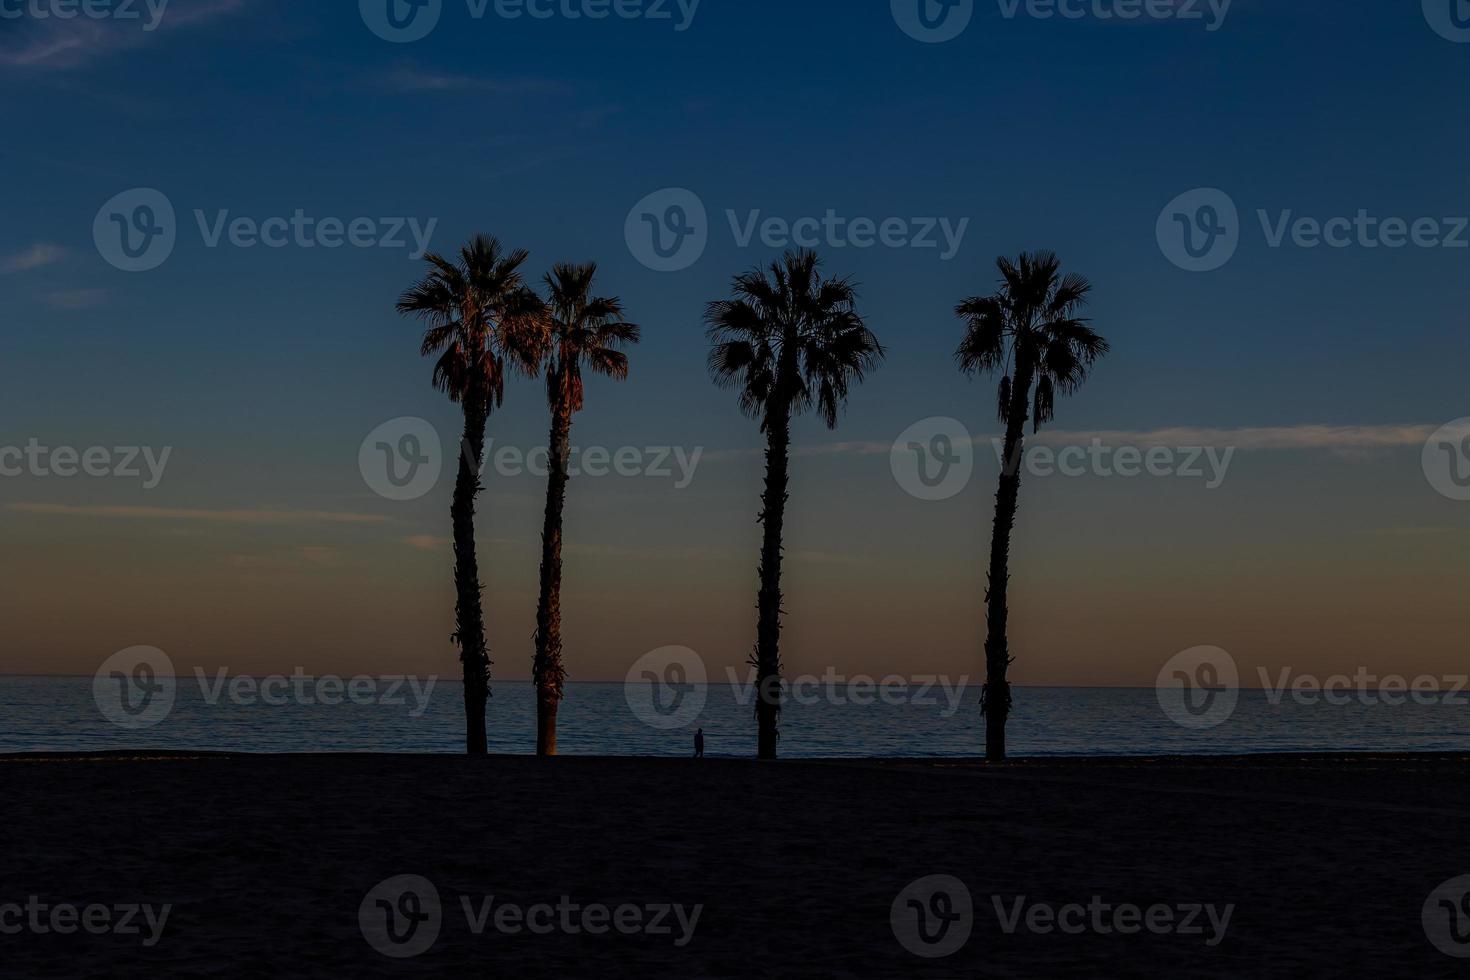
(60, 714)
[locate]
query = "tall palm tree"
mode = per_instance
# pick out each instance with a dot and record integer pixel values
(1028, 330)
(789, 341)
(482, 321)
(584, 330)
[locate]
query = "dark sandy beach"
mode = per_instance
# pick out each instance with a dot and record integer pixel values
(265, 862)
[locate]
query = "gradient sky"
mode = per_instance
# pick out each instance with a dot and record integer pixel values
(1324, 549)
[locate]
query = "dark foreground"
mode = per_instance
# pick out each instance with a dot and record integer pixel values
(796, 867)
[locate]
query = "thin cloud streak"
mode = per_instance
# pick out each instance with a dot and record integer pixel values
(56, 44)
(37, 256)
(408, 77)
(188, 514)
(1335, 438)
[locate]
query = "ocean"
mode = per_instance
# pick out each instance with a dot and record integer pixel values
(64, 714)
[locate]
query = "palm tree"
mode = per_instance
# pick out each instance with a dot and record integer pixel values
(789, 341)
(584, 330)
(1029, 331)
(482, 321)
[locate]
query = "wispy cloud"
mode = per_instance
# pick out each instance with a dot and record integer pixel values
(76, 299)
(38, 255)
(428, 542)
(190, 514)
(409, 77)
(1334, 437)
(314, 557)
(59, 44)
(1349, 441)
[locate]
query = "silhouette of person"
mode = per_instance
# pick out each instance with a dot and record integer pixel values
(699, 744)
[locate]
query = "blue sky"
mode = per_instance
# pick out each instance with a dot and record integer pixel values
(265, 367)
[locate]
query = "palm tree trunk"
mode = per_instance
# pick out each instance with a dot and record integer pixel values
(547, 670)
(768, 627)
(996, 700)
(469, 618)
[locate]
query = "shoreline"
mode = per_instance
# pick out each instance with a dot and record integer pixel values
(1324, 863)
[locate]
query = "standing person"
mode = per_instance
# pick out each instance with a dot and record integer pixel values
(699, 744)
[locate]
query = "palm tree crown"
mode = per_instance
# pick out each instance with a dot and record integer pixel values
(584, 329)
(1030, 331)
(790, 338)
(481, 318)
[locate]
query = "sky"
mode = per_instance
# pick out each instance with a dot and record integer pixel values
(1314, 373)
